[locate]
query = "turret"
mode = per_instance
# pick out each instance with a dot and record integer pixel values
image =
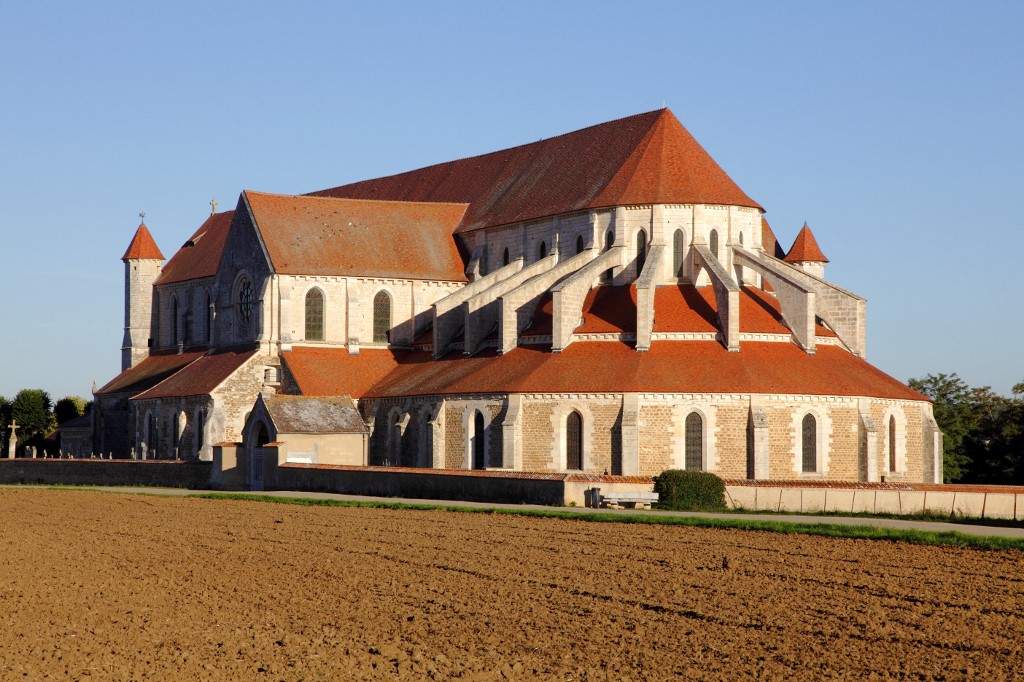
(142, 263)
(806, 255)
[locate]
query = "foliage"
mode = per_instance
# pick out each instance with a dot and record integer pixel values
(31, 409)
(983, 439)
(69, 407)
(689, 490)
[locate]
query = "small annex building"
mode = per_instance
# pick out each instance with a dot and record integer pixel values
(606, 301)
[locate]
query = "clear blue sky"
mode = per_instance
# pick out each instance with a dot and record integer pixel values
(894, 129)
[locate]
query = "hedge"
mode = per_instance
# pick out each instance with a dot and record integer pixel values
(690, 491)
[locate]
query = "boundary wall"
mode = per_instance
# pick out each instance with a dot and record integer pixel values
(981, 502)
(106, 472)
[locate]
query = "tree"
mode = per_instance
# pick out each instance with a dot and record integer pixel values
(5, 419)
(68, 408)
(955, 416)
(31, 409)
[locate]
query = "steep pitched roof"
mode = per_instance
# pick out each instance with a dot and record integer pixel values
(323, 414)
(200, 377)
(200, 255)
(641, 159)
(142, 247)
(769, 241)
(327, 236)
(152, 370)
(805, 248)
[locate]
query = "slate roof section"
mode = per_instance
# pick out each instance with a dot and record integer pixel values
(83, 421)
(200, 377)
(805, 248)
(322, 414)
(642, 159)
(142, 247)
(152, 370)
(200, 255)
(338, 237)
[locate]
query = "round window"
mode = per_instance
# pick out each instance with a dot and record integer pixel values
(245, 300)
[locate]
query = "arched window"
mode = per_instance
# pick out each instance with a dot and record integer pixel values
(694, 441)
(641, 251)
(574, 441)
(579, 244)
(809, 444)
(609, 239)
(892, 443)
(200, 428)
(246, 297)
(382, 317)
(479, 434)
(543, 251)
(395, 454)
(209, 318)
(314, 315)
(714, 242)
(152, 437)
(504, 257)
(174, 320)
(677, 253)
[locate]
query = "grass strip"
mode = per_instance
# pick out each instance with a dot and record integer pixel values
(917, 537)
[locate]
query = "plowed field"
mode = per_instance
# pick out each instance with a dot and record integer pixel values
(127, 587)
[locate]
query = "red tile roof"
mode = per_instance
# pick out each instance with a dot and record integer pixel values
(200, 255)
(200, 377)
(584, 367)
(326, 236)
(641, 159)
(805, 248)
(769, 241)
(332, 371)
(151, 371)
(142, 247)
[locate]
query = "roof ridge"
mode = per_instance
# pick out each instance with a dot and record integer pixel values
(497, 151)
(359, 201)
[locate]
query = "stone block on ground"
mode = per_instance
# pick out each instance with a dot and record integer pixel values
(971, 505)
(887, 502)
(863, 501)
(939, 502)
(838, 500)
(911, 501)
(789, 500)
(741, 497)
(813, 500)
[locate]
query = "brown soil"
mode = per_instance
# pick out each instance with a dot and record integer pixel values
(127, 587)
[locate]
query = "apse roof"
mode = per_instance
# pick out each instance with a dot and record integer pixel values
(327, 236)
(150, 371)
(642, 159)
(142, 246)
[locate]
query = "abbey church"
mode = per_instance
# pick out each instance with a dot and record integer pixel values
(607, 301)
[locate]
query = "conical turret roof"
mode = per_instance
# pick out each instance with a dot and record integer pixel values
(142, 247)
(805, 248)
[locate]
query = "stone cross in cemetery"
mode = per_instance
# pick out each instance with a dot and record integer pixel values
(13, 444)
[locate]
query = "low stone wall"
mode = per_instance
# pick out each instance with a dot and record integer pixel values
(428, 484)
(99, 472)
(989, 502)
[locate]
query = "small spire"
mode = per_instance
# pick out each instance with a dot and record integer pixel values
(805, 248)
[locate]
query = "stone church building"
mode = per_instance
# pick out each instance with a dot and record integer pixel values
(607, 301)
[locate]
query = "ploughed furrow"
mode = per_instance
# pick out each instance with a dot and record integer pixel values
(127, 587)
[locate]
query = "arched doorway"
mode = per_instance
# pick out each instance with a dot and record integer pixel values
(479, 441)
(256, 458)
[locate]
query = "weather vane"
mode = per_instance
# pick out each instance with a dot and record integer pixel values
(142, 215)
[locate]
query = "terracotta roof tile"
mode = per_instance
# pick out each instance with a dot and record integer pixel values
(668, 367)
(142, 247)
(332, 371)
(769, 241)
(646, 158)
(326, 236)
(152, 370)
(200, 255)
(805, 248)
(200, 377)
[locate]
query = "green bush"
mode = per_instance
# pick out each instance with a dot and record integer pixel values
(690, 491)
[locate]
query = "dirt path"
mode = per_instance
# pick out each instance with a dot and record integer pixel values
(133, 587)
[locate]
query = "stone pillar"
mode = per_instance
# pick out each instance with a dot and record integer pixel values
(511, 433)
(630, 434)
(868, 443)
(759, 424)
